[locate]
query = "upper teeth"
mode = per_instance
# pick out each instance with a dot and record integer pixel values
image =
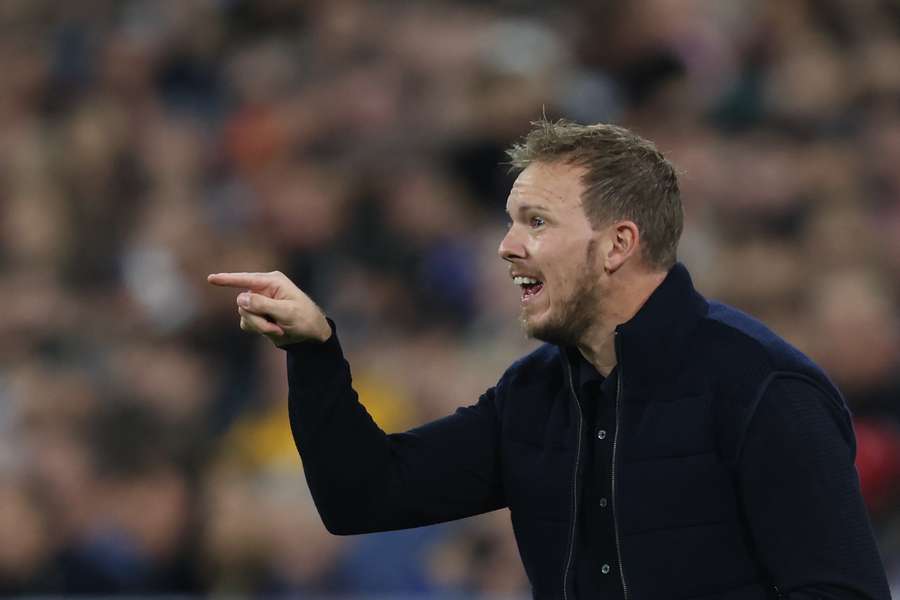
(524, 281)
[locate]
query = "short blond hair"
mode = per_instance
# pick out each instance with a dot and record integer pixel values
(625, 177)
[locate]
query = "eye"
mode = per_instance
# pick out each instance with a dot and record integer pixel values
(536, 222)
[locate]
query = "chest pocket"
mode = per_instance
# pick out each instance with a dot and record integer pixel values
(670, 428)
(538, 480)
(672, 473)
(538, 454)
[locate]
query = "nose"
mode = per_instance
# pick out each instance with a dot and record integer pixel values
(511, 246)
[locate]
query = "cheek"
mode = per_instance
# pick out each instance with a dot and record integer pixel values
(561, 260)
(565, 286)
(571, 273)
(567, 267)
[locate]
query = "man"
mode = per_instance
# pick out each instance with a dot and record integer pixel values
(657, 446)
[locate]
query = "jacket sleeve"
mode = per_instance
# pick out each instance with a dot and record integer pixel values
(363, 480)
(801, 496)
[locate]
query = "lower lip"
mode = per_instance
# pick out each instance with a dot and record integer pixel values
(528, 296)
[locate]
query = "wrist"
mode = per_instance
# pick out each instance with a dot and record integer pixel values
(320, 335)
(324, 331)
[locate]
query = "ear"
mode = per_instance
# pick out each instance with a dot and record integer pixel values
(623, 244)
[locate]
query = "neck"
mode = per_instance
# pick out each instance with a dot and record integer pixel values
(623, 301)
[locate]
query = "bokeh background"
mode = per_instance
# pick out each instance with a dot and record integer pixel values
(358, 147)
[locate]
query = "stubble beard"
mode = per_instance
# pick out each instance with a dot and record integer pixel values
(574, 315)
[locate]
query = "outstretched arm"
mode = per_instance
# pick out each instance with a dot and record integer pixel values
(364, 480)
(361, 478)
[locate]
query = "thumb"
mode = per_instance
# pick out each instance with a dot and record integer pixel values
(262, 305)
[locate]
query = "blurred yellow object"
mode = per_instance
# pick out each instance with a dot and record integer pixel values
(263, 439)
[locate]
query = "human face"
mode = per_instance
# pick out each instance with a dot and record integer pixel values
(551, 244)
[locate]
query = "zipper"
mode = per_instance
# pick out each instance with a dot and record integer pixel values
(574, 481)
(619, 379)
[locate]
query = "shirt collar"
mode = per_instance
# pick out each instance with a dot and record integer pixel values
(586, 375)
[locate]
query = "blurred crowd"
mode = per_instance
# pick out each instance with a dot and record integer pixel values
(358, 146)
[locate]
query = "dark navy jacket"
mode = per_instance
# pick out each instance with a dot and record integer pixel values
(710, 499)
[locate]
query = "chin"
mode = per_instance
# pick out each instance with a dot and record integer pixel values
(533, 325)
(563, 326)
(546, 330)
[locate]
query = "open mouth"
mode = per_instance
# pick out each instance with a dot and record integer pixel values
(530, 287)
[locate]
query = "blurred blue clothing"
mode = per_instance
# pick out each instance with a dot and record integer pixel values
(392, 562)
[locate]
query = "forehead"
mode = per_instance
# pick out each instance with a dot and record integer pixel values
(555, 186)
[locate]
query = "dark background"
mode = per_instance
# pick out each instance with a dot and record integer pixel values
(356, 146)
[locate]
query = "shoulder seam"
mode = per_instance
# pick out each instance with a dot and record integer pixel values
(757, 398)
(743, 334)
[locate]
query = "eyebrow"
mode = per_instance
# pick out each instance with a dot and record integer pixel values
(526, 207)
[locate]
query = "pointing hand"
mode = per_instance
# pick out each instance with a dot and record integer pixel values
(273, 306)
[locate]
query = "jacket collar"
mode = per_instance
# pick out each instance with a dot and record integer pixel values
(651, 345)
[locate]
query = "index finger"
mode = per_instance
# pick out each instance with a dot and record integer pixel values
(247, 281)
